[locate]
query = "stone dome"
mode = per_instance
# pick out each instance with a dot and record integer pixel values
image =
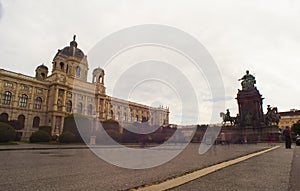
(98, 70)
(71, 50)
(42, 66)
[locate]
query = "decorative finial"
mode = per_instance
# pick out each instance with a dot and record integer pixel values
(74, 37)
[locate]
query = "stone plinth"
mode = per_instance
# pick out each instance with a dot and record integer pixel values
(251, 135)
(250, 107)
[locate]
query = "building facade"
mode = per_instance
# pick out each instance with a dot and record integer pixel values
(288, 118)
(46, 99)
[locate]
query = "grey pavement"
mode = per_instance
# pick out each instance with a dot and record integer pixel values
(80, 169)
(273, 171)
(295, 171)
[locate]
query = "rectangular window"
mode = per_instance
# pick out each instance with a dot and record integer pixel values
(60, 92)
(8, 84)
(69, 94)
(90, 99)
(25, 87)
(39, 91)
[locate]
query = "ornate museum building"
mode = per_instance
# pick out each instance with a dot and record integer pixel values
(46, 99)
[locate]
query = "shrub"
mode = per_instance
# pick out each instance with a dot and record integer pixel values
(117, 136)
(158, 137)
(54, 137)
(107, 137)
(111, 124)
(7, 132)
(18, 136)
(39, 136)
(78, 125)
(296, 128)
(130, 137)
(15, 124)
(67, 137)
(46, 129)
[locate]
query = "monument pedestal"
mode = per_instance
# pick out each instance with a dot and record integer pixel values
(250, 108)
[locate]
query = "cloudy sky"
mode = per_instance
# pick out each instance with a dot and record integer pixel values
(262, 36)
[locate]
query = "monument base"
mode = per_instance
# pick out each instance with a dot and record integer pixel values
(250, 134)
(240, 135)
(250, 107)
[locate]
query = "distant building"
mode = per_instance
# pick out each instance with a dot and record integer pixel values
(288, 118)
(47, 99)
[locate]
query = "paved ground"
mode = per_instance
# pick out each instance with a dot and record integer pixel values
(294, 184)
(269, 172)
(79, 169)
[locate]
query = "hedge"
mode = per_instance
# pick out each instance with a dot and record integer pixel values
(7, 132)
(66, 137)
(39, 136)
(47, 129)
(78, 125)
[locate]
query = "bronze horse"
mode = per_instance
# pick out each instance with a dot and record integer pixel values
(227, 118)
(272, 116)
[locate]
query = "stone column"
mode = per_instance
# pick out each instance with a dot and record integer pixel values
(62, 125)
(64, 101)
(103, 108)
(31, 99)
(74, 103)
(53, 125)
(55, 98)
(16, 96)
(85, 105)
(97, 103)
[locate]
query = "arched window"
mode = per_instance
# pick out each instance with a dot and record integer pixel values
(118, 116)
(69, 106)
(67, 69)
(101, 78)
(62, 66)
(4, 117)
(21, 120)
(6, 98)
(38, 103)
(23, 100)
(79, 108)
(90, 109)
(36, 122)
(144, 119)
(78, 71)
(59, 105)
(125, 117)
(111, 113)
(43, 75)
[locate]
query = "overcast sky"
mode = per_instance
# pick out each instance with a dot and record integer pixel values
(262, 36)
